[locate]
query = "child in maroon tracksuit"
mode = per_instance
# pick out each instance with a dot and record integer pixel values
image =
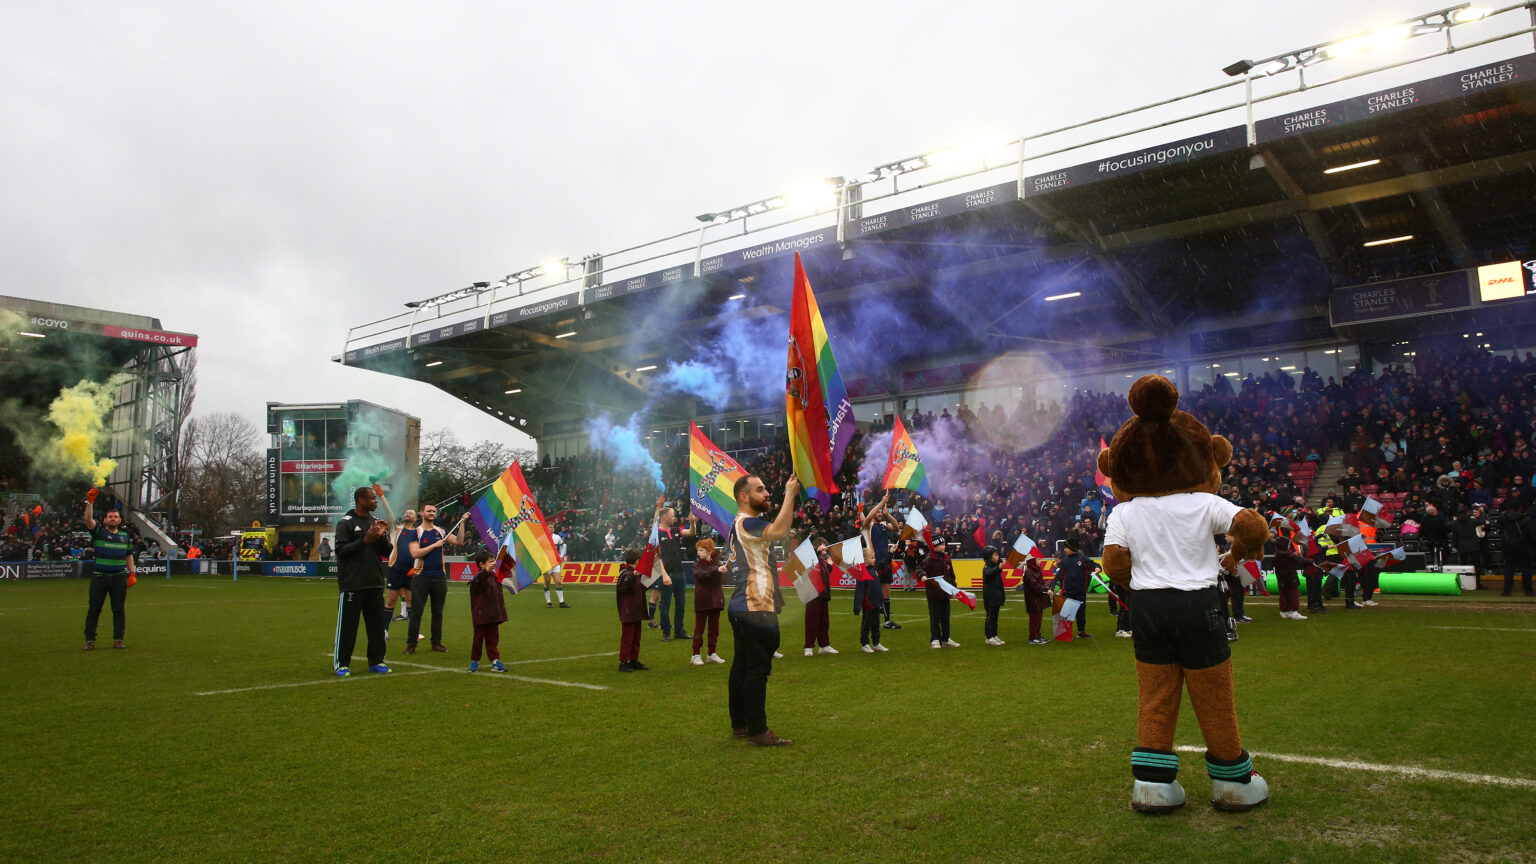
(632, 611)
(708, 600)
(487, 609)
(1036, 599)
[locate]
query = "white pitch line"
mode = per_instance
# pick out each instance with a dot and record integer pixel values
(1403, 770)
(558, 659)
(313, 683)
(1499, 629)
(511, 677)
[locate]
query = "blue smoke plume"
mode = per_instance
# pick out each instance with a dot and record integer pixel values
(622, 444)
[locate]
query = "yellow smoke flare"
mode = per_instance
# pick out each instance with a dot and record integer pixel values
(80, 413)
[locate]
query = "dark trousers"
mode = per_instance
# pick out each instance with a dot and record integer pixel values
(869, 628)
(369, 603)
(115, 585)
(990, 628)
(1514, 562)
(708, 619)
(673, 596)
(424, 588)
(1314, 592)
(756, 637)
(1368, 582)
(1235, 593)
(1082, 611)
(629, 641)
(1351, 582)
(938, 620)
(818, 623)
(1290, 592)
(490, 636)
(1035, 616)
(1122, 610)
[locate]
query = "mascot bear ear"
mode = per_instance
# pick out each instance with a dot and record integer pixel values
(1221, 450)
(1104, 463)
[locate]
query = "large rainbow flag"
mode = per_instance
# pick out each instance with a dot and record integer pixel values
(904, 469)
(816, 406)
(512, 525)
(712, 477)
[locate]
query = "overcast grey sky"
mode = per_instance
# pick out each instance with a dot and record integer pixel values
(267, 175)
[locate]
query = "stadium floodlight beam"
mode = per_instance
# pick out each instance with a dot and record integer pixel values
(811, 195)
(1438, 21)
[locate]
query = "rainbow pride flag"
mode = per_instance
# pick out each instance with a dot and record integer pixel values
(816, 407)
(904, 469)
(712, 477)
(1101, 479)
(512, 526)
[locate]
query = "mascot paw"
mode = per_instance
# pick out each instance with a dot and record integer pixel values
(1236, 797)
(1156, 797)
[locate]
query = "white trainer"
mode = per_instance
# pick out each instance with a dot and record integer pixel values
(778, 656)
(829, 650)
(951, 643)
(1239, 797)
(716, 658)
(867, 650)
(809, 652)
(1156, 797)
(881, 648)
(935, 644)
(696, 661)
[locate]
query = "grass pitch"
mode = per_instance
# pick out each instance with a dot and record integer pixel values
(972, 754)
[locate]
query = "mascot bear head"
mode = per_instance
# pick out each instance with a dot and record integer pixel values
(1164, 451)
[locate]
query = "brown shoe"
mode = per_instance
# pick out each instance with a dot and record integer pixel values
(439, 649)
(118, 643)
(740, 732)
(410, 649)
(90, 645)
(768, 739)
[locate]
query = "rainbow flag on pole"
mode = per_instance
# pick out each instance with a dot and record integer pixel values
(904, 469)
(512, 525)
(712, 477)
(816, 406)
(1101, 479)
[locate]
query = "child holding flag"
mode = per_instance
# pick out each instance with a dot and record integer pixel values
(935, 567)
(868, 602)
(631, 597)
(818, 620)
(487, 609)
(993, 594)
(1036, 598)
(708, 599)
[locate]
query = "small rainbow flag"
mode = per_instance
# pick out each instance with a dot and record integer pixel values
(512, 525)
(712, 477)
(904, 469)
(1101, 479)
(816, 407)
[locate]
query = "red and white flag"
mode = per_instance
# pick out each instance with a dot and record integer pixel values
(1023, 548)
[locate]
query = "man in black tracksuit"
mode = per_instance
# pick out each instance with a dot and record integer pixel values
(362, 544)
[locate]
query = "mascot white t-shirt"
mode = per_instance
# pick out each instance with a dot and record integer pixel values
(1171, 538)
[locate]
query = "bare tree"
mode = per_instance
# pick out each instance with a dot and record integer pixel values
(223, 483)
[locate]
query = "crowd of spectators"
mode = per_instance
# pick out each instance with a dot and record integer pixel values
(1450, 432)
(1447, 440)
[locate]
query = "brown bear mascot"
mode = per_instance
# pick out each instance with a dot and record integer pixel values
(1164, 467)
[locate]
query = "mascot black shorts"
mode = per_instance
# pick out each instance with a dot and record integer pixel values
(1185, 628)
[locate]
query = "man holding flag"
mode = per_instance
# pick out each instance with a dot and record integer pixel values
(752, 610)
